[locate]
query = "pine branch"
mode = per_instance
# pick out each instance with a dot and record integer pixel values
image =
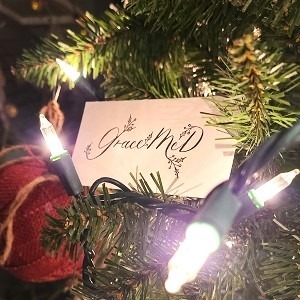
(171, 15)
(147, 50)
(118, 45)
(196, 22)
(262, 262)
(87, 51)
(255, 83)
(133, 246)
(280, 15)
(210, 25)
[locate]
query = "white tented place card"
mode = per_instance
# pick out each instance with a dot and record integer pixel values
(168, 136)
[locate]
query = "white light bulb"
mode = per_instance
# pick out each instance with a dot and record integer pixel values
(70, 71)
(51, 137)
(271, 188)
(201, 240)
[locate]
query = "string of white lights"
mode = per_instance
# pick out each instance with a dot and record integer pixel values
(205, 232)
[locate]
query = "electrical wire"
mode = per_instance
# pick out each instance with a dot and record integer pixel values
(235, 184)
(128, 196)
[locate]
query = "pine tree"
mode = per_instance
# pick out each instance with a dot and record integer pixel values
(171, 49)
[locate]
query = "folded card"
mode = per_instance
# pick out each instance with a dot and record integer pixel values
(169, 136)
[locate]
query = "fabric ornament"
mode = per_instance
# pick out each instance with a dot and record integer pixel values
(27, 192)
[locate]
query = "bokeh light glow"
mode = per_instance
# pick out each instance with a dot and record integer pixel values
(70, 71)
(201, 240)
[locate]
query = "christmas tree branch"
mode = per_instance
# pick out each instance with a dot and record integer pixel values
(105, 46)
(133, 246)
(121, 234)
(280, 15)
(255, 83)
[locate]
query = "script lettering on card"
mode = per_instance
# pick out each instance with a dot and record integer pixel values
(173, 146)
(121, 139)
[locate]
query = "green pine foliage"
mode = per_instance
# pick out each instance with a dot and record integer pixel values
(282, 16)
(133, 246)
(116, 46)
(171, 49)
(254, 83)
(178, 49)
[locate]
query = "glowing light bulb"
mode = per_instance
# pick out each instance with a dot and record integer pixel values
(70, 71)
(36, 5)
(271, 188)
(51, 138)
(201, 240)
